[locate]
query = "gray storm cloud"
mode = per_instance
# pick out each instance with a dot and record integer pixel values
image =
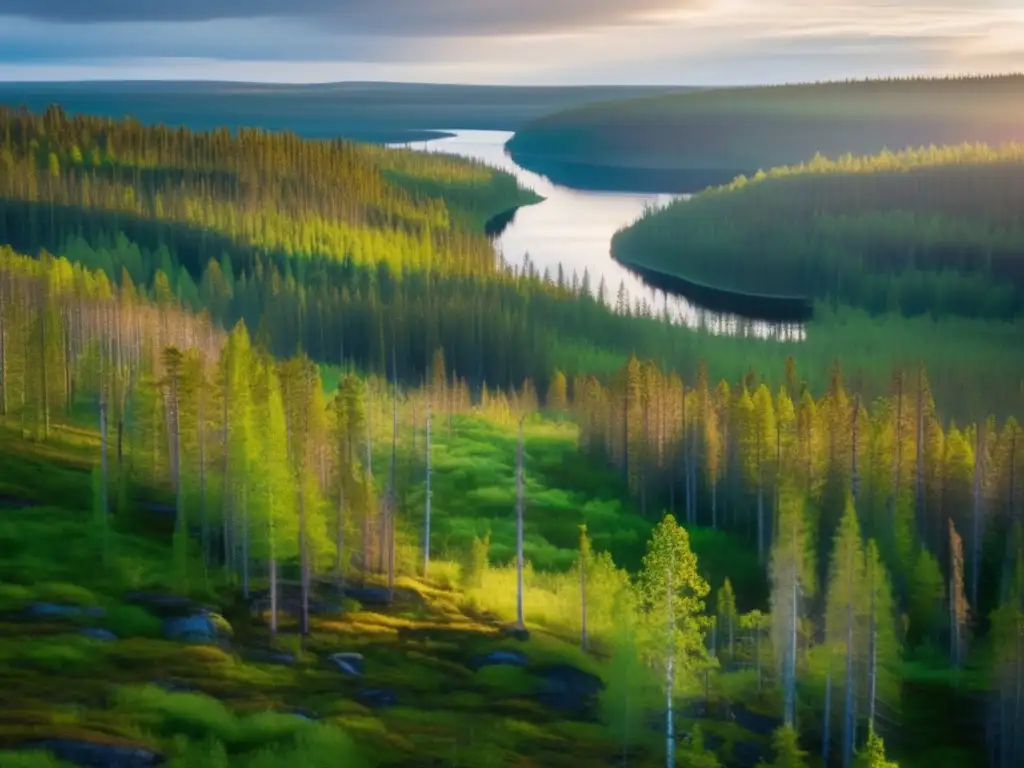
(376, 17)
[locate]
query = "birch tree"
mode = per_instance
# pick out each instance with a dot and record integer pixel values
(672, 594)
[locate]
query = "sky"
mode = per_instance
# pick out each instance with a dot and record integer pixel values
(523, 42)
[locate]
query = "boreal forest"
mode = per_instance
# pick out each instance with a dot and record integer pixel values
(295, 470)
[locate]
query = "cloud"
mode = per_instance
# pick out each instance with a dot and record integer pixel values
(700, 42)
(374, 17)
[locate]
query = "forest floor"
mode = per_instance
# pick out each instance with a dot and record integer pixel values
(102, 663)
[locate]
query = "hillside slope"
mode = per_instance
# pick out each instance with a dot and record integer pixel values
(683, 142)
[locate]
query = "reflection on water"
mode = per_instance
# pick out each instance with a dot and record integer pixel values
(573, 228)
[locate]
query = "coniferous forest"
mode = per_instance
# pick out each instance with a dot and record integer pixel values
(294, 470)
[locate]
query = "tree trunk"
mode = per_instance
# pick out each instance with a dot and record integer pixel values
(245, 541)
(714, 502)
(670, 674)
(919, 501)
(204, 523)
(519, 529)
(367, 548)
(393, 481)
(303, 560)
(1019, 685)
(898, 458)
(3, 356)
(688, 501)
(757, 656)
(826, 726)
(976, 512)
(228, 543)
(426, 521)
(104, 505)
(848, 716)
(45, 394)
(855, 441)
(1011, 519)
(760, 511)
(584, 641)
(339, 533)
(272, 568)
(873, 670)
(790, 707)
(625, 434)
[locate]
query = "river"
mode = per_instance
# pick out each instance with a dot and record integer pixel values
(573, 228)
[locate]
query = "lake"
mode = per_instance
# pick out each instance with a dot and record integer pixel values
(573, 228)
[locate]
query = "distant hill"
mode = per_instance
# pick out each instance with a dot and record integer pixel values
(362, 111)
(684, 142)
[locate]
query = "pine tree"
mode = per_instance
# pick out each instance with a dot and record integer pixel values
(629, 691)
(791, 583)
(726, 615)
(873, 754)
(557, 399)
(584, 567)
(846, 577)
(786, 745)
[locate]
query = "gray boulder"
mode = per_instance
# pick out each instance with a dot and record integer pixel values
(91, 755)
(497, 658)
(269, 656)
(522, 634)
(161, 604)
(174, 686)
(60, 611)
(204, 627)
(377, 596)
(377, 698)
(98, 633)
(351, 664)
(305, 714)
(568, 689)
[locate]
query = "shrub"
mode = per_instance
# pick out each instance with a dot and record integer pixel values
(32, 759)
(133, 621)
(513, 681)
(64, 654)
(14, 597)
(68, 594)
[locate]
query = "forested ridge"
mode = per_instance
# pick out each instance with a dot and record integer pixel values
(738, 130)
(934, 230)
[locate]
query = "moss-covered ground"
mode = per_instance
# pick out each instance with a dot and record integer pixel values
(210, 705)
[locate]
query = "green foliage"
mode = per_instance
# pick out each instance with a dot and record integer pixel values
(31, 759)
(694, 754)
(926, 595)
(786, 744)
(132, 621)
(873, 754)
(506, 680)
(631, 691)
(672, 594)
(477, 564)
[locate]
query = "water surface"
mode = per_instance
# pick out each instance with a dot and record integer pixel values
(573, 228)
